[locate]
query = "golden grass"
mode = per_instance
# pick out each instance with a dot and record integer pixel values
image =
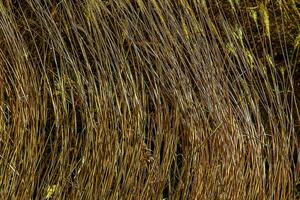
(103, 99)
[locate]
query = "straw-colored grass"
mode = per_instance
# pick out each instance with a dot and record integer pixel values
(103, 99)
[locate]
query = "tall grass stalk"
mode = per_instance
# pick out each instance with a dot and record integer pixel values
(103, 99)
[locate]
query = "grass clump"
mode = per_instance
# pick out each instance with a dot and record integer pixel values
(149, 99)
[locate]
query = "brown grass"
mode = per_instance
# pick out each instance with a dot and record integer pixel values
(103, 99)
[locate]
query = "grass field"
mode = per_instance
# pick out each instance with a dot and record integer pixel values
(150, 99)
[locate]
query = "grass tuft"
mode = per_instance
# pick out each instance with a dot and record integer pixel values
(149, 99)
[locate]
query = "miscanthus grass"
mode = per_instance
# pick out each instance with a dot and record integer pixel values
(103, 99)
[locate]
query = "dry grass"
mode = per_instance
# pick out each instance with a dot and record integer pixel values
(149, 99)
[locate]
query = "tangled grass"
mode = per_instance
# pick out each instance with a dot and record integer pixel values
(103, 99)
